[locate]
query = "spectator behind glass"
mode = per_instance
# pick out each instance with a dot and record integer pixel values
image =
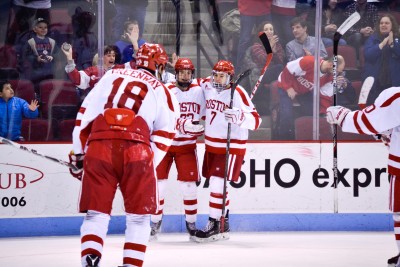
(303, 44)
(129, 43)
(87, 78)
(128, 10)
(332, 18)
(38, 55)
(12, 109)
(283, 11)
(256, 56)
(382, 56)
(297, 82)
(364, 28)
(85, 41)
(252, 14)
(25, 12)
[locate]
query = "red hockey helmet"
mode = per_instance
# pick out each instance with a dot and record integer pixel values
(184, 64)
(225, 67)
(150, 56)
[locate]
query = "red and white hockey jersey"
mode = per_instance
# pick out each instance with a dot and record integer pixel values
(216, 126)
(139, 91)
(299, 75)
(88, 77)
(192, 106)
(382, 116)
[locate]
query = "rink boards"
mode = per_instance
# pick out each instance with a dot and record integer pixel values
(283, 186)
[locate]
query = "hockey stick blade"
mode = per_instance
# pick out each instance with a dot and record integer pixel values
(348, 23)
(267, 46)
(34, 152)
(236, 82)
(365, 88)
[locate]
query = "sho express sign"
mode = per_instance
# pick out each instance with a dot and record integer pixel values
(298, 177)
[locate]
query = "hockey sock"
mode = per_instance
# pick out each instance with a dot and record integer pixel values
(396, 218)
(189, 191)
(93, 232)
(136, 239)
(162, 187)
(216, 197)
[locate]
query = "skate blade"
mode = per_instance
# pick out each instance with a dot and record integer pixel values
(225, 236)
(213, 238)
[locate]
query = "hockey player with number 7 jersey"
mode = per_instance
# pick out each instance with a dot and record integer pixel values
(382, 117)
(242, 116)
(124, 128)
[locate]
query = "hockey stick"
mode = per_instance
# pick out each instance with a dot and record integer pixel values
(228, 145)
(267, 46)
(33, 151)
(346, 25)
(365, 88)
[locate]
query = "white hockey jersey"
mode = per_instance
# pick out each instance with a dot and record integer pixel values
(382, 116)
(192, 106)
(133, 89)
(216, 126)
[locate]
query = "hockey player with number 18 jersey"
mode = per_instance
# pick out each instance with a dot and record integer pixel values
(123, 130)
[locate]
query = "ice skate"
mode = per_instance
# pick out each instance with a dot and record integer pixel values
(393, 261)
(191, 229)
(92, 260)
(209, 234)
(225, 233)
(155, 229)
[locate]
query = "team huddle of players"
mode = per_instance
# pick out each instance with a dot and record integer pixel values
(132, 127)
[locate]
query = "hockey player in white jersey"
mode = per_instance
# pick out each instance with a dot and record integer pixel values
(123, 130)
(382, 117)
(242, 116)
(183, 149)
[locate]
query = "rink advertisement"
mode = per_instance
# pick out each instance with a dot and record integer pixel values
(276, 178)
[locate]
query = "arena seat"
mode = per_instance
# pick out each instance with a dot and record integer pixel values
(36, 130)
(23, 89)
(65, 129)
(59, 99)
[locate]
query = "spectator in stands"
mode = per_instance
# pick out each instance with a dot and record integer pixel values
(252, 14)
(364, 28)
(256, 56)
(12, 110)
(129, 43)
(38, 55)
(382, 56)
(283, 11)
(303, 44)
(84, 39)
(25, 13)
(297, 82)
(129, 10)
(332, 18)
(87, 78)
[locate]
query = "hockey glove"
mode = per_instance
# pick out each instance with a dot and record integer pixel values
(190, 127)
(234, 115)
(336, 114)
(76, 160)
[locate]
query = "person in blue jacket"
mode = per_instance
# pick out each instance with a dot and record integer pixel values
(130, 42)
(382, 56)
(12, 109)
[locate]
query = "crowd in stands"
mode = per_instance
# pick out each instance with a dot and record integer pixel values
(32, 56)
